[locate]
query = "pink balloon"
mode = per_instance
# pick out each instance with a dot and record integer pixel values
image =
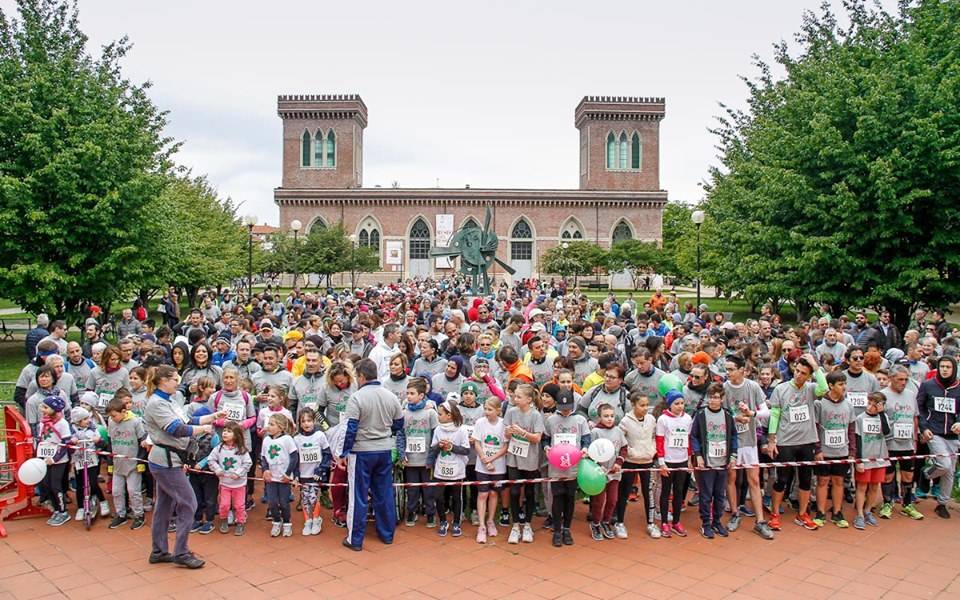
(564, 456)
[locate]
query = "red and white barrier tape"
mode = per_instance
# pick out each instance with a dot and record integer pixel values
(767, 465)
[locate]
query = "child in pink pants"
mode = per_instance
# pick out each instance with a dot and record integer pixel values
(231, 461)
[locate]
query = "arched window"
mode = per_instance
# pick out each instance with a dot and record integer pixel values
(571, 231)
(364, 238)
(318, 149)
(331, 149)
(368, 235)
(611, 151)
(624, 150)
(375, 240)
(521, 244)
(419, 240)
(470, 222)
(318, 226)
(305, 149)
(622, 232)
(636, 149)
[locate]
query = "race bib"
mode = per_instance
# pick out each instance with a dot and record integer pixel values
(87, 458)
(857, 399)
(678, 440)
(469, 430)
(310, 454)
(944, 404)
(104, 398)
(872, 426)
(565, 438)
(446, 470)
(835, 438)
(519, 448)
(47, 450)
(742, 427)
(235, 410)
(800, 414)
(903, 431)
(490, 449)
(342, 411)
(716, 449)
(416, 445)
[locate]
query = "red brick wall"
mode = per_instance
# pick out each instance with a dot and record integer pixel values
(349, 169)
(597, 177)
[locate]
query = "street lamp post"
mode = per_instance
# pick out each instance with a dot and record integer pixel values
(250, 220)
(563, 260)
(295, 226)
(697, 217)
(353, 261)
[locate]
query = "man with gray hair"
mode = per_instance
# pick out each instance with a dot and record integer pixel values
(831, 346)
(36, 334)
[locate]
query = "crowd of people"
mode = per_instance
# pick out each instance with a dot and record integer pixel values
(330, 397)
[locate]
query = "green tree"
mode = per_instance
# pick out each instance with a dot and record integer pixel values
(81, 156)
(638, 257)
(204, 243)
(840, 183)
(578, 258)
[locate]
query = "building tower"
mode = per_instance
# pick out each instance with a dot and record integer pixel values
(322, 140)
(619, 142)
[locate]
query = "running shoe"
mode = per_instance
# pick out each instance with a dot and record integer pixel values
(804, 520)
(911, 511)
(886, 510)
(763, 530)
(666, 530)
(870, 519)
(839, 521)
(747, 512)
(774, 522)
(734, 523)
(706, 531)
(680, 530)
(859, 523)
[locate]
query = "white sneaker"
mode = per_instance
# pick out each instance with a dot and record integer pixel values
(79, 514)
(317, 526)
(287, 529)
(621, 530)
(275, 530)
(527, 533)
(514, 534)
(654, 531)
(474, 519)
(231, 519)
(104, 508)
(307, 527)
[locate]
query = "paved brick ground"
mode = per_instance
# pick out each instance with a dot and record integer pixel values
(901, 558)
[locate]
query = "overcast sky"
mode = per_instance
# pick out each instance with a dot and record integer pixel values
(478, 93)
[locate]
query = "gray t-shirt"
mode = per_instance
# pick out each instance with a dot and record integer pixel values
(583, 367)
(263, 380)
(833, 423)
(246, 370)
(872, 441)
(418, 426)
(901, 411)
(716, 437)
(66, 383)
(306, 389)
(375, 410)
(429, 368)
(158, 415)
(750, 393)
(333, 402)
(648, 385)
(797, 413)
(615, 435)
(523, 454)
(859, 387)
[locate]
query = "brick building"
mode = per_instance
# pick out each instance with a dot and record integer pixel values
(619, 195)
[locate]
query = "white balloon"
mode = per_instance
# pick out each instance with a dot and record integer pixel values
(32, 471)
(601, 450)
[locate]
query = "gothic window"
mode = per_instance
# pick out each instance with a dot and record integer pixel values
(636, 149)
(305, 149)
(521, 244)
(331, 149)
(611, 151)
(419, 240)
(622, 232)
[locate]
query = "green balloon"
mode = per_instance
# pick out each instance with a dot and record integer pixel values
(669, 382)
(102, 432)
(590, 477)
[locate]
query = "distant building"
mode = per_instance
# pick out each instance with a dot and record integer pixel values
(619, 195)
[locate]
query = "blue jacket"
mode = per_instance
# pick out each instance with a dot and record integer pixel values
(33, 338)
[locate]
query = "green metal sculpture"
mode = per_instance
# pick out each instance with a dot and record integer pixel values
(477, 250)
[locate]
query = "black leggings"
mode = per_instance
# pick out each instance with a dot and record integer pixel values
(257, 444)
(626, 483)
(53, 483)
(529, 490)
(450, 498)
(803, 452)
(564, 501)
(676, 482)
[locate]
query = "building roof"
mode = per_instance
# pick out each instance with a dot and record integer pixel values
(264, 229)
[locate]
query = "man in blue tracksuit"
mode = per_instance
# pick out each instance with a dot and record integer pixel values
(373, 416)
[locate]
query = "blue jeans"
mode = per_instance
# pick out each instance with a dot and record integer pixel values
(713, 490)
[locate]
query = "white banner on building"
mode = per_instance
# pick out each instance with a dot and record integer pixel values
(394, 252)
(444, 233)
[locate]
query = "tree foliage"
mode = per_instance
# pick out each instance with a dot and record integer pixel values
(840, 182)
(578, 258)
(202, 242)
(81, 157)
(323, 251)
